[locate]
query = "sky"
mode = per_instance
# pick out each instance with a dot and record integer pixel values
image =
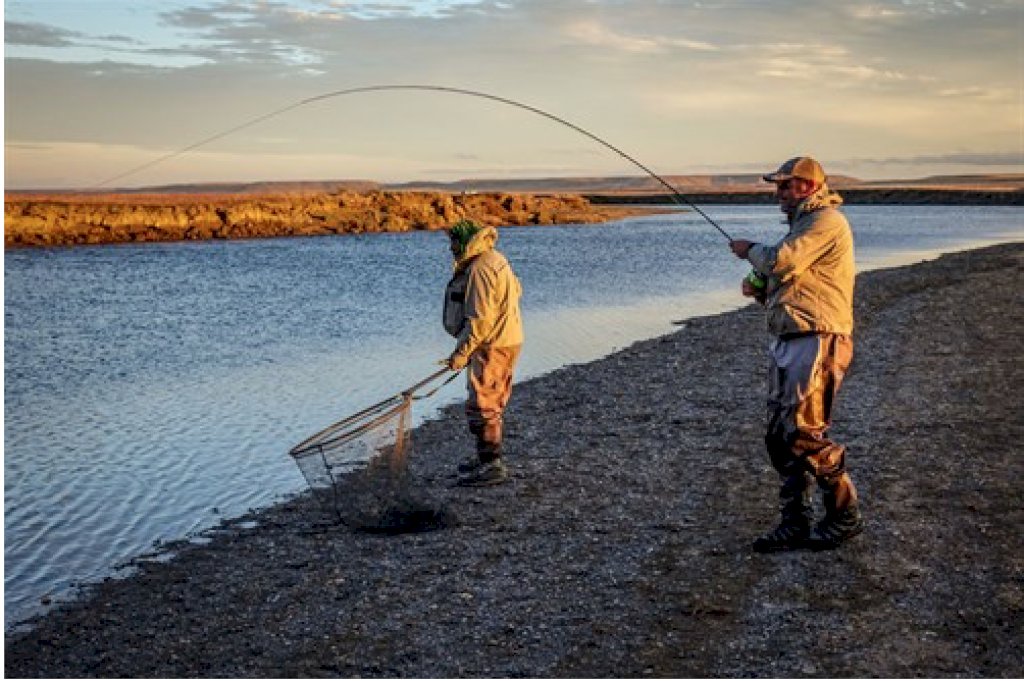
(106, 93)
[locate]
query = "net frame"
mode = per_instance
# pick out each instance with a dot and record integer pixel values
(350, 484)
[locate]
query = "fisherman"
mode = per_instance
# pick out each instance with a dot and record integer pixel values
(481, 309)
(805, 281)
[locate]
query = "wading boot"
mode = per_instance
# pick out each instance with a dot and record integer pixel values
(842, 519)
(795, 506)
(788, 536)
(486, 474)
(470, 464)
(836, 529)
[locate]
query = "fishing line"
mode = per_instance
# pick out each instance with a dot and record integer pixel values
(675, 195)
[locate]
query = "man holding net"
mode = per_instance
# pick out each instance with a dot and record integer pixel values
(481, 309)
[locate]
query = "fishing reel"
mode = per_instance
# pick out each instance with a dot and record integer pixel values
(757, 281)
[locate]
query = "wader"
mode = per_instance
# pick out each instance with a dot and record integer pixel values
(805, 372)
(490, 386)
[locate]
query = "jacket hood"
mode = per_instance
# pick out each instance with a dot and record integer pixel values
(482, 241)
(823, 198)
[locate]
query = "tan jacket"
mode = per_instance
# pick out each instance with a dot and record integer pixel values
(481, 302)
(811, 270)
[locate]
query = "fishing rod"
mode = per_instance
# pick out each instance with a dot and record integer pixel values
(675, 195)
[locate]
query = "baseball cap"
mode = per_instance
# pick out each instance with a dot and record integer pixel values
(803, 167)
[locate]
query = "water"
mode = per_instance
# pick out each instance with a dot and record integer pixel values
(152, 390)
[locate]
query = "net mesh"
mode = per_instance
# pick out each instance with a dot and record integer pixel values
(358, 469)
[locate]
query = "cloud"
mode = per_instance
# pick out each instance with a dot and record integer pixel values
(86, 165)
(262, 32)
(673, 82)
(385, 10)
(990, 94)
(705, 99)
(870, 12)
(832, 65)
(268, 31)
(841, 75)
(31, 34)
(38, 35)
(915, 10)
(594, 33)
(25, 146)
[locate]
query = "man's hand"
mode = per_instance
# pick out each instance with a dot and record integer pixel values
(455, 363)
(740, 247)
(752, 291)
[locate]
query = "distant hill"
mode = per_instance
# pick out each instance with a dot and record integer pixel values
(627, 184)
(609, 186)
(639, 184)
(283, 187)
(992, 181)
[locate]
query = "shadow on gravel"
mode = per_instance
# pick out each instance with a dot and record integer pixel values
(380, 501)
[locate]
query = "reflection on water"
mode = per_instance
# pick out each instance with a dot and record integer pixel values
(153, 390)
(597, 331)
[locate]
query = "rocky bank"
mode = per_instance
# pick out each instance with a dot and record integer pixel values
(101, 219)
(621, 548)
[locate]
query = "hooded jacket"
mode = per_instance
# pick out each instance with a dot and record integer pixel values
(481, 302)
(811, 270)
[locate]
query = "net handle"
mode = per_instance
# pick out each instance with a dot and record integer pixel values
(408, 393)
(403, 397)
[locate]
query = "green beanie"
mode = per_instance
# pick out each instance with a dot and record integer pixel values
(462, 232)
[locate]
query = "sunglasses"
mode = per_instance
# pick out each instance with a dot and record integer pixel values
(784, 185)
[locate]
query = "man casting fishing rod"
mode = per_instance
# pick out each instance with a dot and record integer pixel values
(481, 309)
(805, 282)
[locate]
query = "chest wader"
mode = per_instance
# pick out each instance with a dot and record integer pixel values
(490, 387)
(805, 373)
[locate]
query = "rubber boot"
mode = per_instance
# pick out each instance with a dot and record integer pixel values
(796, 512)
(485, 453)
(842, 519)
(491, 469)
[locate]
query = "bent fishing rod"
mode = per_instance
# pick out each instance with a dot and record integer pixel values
(675, 195)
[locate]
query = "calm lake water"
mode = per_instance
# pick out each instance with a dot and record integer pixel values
(153, 390)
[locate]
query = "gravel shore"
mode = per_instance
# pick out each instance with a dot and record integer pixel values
(622, 546)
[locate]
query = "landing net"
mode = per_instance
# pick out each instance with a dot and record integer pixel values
(357, 468)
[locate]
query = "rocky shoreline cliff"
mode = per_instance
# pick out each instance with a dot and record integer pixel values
(55, 220)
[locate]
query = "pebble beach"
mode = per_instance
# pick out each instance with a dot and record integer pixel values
(621, 546)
